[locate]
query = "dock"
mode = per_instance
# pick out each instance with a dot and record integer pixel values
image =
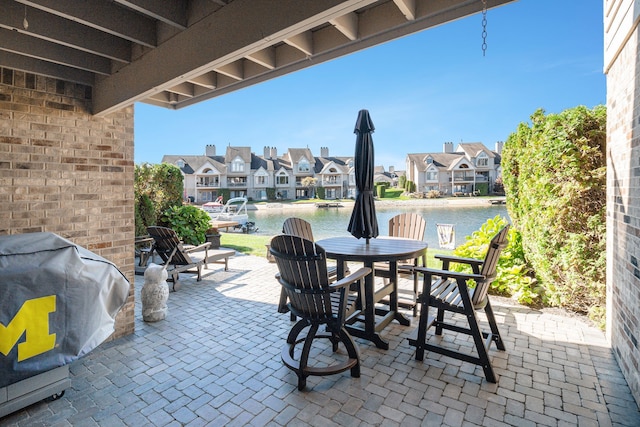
(216, 225)
(497, 201)
(329, 205)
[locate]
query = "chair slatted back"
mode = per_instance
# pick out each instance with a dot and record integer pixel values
(497, 244)
(303, 273)
(166, 240)
(409, 225)
(297, 227)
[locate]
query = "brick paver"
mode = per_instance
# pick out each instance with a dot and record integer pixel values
(215, 361)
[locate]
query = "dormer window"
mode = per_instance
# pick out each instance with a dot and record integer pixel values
(429, 160)
(180, 163)
(303, 166)
(237, 165)
(482, 160)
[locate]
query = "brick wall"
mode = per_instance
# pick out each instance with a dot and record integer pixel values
(623, 196)
(65, 171)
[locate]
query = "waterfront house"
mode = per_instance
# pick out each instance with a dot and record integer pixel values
(469, 169)
(246, 174)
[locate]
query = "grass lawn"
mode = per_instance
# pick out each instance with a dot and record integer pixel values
(253, 244)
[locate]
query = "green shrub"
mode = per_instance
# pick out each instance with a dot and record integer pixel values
(380, 190)
(189, 222)
(163, 186)
(410, 187)
(514, 276)
(321, 193)
(554, 175)
(271, 193)
(482, 188)
(145, 214)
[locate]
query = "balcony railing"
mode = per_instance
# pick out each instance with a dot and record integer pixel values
(208, 184)
(236, 184)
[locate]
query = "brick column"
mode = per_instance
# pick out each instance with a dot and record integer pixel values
(65, 171)
(622, 66)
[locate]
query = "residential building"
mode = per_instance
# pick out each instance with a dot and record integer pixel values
(244, 173)
(468, 169)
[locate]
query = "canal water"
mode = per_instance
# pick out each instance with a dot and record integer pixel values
(330, 222)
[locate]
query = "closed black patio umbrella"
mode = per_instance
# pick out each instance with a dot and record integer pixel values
(363, 221)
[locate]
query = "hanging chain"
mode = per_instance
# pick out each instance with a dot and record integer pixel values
(484, 27)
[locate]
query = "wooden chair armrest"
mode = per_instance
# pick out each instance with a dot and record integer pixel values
(470, 261)
(360, 274)
(430, 272)
(192, 248)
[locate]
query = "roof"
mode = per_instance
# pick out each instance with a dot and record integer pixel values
(440, 160)
(233, 152)
(194, 163)
(177, 53)
(472, 149)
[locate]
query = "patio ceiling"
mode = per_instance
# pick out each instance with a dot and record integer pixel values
(180, 52)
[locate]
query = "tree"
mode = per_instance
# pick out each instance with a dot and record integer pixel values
(156, 189)
(554, 174)
(309, 183)
(402, 181)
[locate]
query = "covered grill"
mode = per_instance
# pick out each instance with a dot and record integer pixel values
(58, 301)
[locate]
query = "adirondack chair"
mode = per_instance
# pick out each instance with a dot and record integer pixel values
(178, 258)
(302, 267)
(447, 291)
(301, 228)
(408, 225)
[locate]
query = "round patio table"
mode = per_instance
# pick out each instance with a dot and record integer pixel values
(391, 249)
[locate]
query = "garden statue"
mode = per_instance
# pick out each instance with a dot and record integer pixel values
(155, 293)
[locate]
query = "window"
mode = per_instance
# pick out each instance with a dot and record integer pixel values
(431, 176)
(282, 179)
(303, 166)
(180, 163)
(429, 160)
(261, 180)
(237, 165)
(482, 160)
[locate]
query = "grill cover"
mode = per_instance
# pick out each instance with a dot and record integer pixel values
(58, 301)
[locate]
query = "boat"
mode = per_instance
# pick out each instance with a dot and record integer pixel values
(235, 210)
(212, 207)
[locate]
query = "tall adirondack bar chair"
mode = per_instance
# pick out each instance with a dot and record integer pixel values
(302, 228)
(178, 258)
(407, 225)
(447, 291)
(302, 267)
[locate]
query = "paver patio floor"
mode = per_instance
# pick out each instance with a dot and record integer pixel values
(215, 360)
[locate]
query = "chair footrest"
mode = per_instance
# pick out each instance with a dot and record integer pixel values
(293, 364)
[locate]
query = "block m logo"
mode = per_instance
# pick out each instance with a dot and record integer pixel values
(33, 320)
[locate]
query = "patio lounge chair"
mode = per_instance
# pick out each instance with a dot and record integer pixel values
(408, 225)
(178, 258)
(447, 291)
(303, 275)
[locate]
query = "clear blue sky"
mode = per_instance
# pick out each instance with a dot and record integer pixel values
(421, 90)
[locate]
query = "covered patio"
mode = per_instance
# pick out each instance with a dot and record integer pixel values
(215, 360)
(69, 79)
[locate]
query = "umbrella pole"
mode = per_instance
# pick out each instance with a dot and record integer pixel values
(367, 239)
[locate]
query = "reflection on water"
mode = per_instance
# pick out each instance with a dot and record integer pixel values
(329, 222)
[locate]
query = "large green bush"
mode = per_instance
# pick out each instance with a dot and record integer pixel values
(189, 222)
(554, 173)
(156, 189)
(514, 277)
